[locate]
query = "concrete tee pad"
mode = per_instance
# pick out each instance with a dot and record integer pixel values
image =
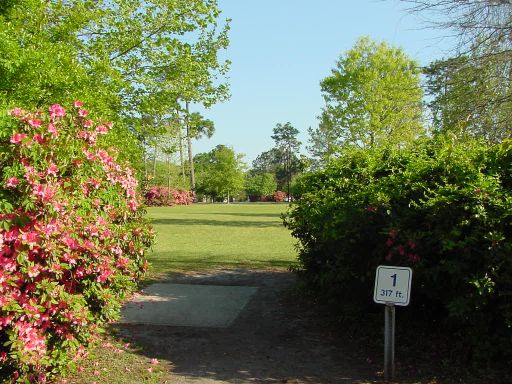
(188, 305)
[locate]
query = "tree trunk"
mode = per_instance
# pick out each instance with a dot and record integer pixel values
(182, 163)
(169, 173)
(288, 171)
(154, 161)
(145, 156)
(190, 156)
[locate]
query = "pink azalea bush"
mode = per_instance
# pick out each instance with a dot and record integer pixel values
(279, 196)
(72, 239)
(163, 196)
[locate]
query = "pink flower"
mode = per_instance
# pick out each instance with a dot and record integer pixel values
(88, 123)
(45, 192)
(70, 242)
(82, 112)
(133, 205)
(36, 123)
(104, 156)
(94, 183)
(92, 138)
(12, 182)
(122, 263)
(104, 275)
(116, 250)
(17, 138)
(33, 271)
(102, 130)
(52, 169)
(7, 264)
(77, 104)
(53, 130)
(39, 138)
(32, 339)
(51, 228)
(12, 234)
(57, 110)
(4, 322)
(88, 155)
(66, 257)
(16, 112)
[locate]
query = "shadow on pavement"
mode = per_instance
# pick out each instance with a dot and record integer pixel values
(275, 339)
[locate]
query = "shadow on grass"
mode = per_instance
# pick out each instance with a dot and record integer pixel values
(275, 338)
(241, 214)
(162, 265)
(219, 223)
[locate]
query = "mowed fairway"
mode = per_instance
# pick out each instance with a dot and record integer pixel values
(204, 236)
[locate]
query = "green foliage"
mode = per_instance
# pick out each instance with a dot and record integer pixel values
(282, 161)
(285, 137)
(471, 97)
(324, 140)
(220, 172)
(442, 207)
(260, 185)
(373, 96)
(470, 92)
(127, 59)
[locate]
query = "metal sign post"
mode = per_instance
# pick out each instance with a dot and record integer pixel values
(389, 341)
(392, 287)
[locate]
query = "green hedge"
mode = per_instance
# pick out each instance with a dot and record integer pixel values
(441, 207)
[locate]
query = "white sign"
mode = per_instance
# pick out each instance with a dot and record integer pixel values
(392, 285)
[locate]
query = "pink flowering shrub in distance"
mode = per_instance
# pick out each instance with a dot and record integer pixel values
(72, 239)
(279, 196)
(163, 196)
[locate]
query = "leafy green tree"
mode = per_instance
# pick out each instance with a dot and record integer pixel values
(469, 100)
(285, 137)
(196, 126)
(267, 162)
(373, 96)
(271, 161)
(471, 92)
(260, 185)
(127, 59)
(220, 172)
(324, 140)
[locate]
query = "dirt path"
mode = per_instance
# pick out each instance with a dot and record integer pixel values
(273, 340)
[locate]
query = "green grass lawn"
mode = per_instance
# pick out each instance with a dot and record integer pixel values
(203, 236)
(193, 238)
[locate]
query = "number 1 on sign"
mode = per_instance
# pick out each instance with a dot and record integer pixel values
(394, 279)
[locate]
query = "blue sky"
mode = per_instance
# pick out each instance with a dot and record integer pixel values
(281, 49)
